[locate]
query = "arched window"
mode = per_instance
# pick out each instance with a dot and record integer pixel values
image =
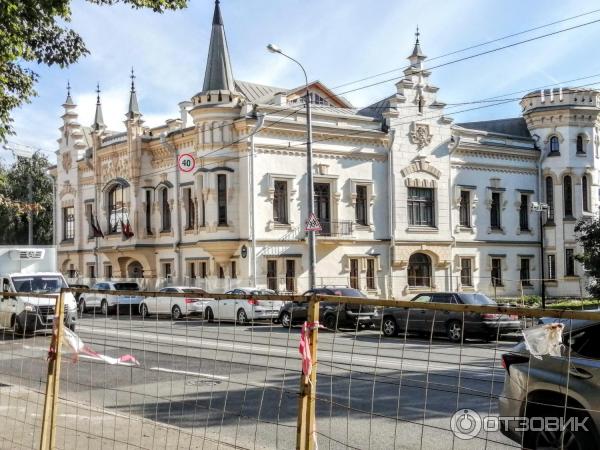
(568, 196)
(117, 213)
(580, 144)
(419, 270)
(554, 145)
(550, 198)
(165, 210)
(584, 193)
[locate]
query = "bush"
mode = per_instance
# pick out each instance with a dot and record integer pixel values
(532, 300)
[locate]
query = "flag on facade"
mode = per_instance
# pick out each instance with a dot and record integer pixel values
(96, 230)
(126, 229)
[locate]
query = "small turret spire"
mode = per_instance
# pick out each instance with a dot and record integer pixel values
(69, 100)
(218, 75)
(134, 111)
(98, 124)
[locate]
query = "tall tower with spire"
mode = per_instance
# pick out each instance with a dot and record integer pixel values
(133, 112)
(98, 126)
(135, 130)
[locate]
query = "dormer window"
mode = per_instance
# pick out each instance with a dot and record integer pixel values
(315, 99)
(579, 145)
(554, 145)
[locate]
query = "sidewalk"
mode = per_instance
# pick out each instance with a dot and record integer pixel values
(83, 427)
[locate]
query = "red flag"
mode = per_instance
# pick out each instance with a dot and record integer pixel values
(96, 230)
(126, 229)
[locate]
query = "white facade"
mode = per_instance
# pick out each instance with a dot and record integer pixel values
(409, 200)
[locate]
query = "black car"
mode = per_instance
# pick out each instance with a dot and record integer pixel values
(331, 314)
(395, 320)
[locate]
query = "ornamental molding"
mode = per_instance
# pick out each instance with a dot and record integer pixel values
(420, 135)
(496, 152)
(67, 161)
(495, 168)
(421, 165)
(277, 150)
(67, 189)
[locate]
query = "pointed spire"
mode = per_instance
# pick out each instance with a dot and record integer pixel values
(417, 55)
(98, 124)
(218, 75)
(69, 100)
(134, 111)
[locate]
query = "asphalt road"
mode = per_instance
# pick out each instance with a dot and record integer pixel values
(239, 384)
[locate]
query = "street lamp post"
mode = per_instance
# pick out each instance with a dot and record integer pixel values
(309, 172)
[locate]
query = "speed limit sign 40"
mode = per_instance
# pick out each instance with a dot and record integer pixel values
(186, 162)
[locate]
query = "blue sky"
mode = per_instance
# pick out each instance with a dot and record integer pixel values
(337, 41)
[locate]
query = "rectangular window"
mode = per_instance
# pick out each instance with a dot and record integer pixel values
(496, 272)
(290, 275)
(551, 267)
(165, 210)
(371, 274)
(108, 273)
(466, 272)
(91, 271)
(280, 202)
(272, 274)
(361, 205)
(69, 223)
(354, 273)
(192, 270)
(167, 270)
(191, 209)
(569, 262)
(203, 270)
(233, 269)
(524, 213)
(148, 211)
(89, 216)
(465, 209)
(550, 198)
(222, 198)
(524, 274)
(495, 211)
(420, 207)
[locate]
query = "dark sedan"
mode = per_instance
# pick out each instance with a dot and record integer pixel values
(332, 315)
(395, 320)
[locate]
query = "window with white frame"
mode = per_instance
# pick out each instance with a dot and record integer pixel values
(466, 272)
(496, 211)
(496, 272)
(465, 209)
(551, 266)
(524, 213)
(421, 204)
(525, 271)
(280, 202)
(371, 285)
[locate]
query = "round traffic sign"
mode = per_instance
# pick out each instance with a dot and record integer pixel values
(186, 162)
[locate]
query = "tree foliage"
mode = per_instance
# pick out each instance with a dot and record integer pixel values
(36, 32)
(15, 204)
(588, 235)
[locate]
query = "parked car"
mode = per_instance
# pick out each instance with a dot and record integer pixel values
(243, 311)
(78, 286)
(109, 303)
(332, 315)
(395, 320)
(541, 387)
(176, 307)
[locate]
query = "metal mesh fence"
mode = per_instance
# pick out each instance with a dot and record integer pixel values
(191, 370)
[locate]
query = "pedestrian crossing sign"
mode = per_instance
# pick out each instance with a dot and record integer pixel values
(312, 224)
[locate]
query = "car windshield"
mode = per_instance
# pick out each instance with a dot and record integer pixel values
(263, 292)
(127, 287)
(477, 299)
(193, 291)
(39, 284)
(347, 292)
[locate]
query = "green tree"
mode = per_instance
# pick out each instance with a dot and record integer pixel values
(15, 205)
(35, 32)
(588, 235)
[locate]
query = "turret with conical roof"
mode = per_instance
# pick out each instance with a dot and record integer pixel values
(218, 75)
(417, 56)
(133, 112)
(98, 125)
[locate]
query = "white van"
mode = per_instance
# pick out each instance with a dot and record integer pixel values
(26, 313)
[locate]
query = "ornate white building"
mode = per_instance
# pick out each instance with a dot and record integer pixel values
(408, 200)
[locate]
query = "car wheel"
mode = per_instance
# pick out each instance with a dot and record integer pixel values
(330, 322)
(176, 313)
(210, 317)
(144, 310)
(567, 439)
(389, 327)
(81, 307)
(104, 308)
(454, 331)
(286, 319)
(242, 317)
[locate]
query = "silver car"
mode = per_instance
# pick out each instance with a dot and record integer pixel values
(564, 388)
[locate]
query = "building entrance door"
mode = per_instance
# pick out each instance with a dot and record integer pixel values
(322, 207)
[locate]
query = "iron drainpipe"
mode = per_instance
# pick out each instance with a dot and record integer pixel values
(392, 217)
(536, 139)
(450, 209)
(260, 120)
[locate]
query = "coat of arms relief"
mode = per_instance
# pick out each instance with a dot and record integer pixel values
(420, 135)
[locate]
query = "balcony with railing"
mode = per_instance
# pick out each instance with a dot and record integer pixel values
(339, 229)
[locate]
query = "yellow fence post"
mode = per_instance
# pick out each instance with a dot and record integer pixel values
(306, 427)
(50, 418)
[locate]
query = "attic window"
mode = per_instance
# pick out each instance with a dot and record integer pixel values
(315, 99)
